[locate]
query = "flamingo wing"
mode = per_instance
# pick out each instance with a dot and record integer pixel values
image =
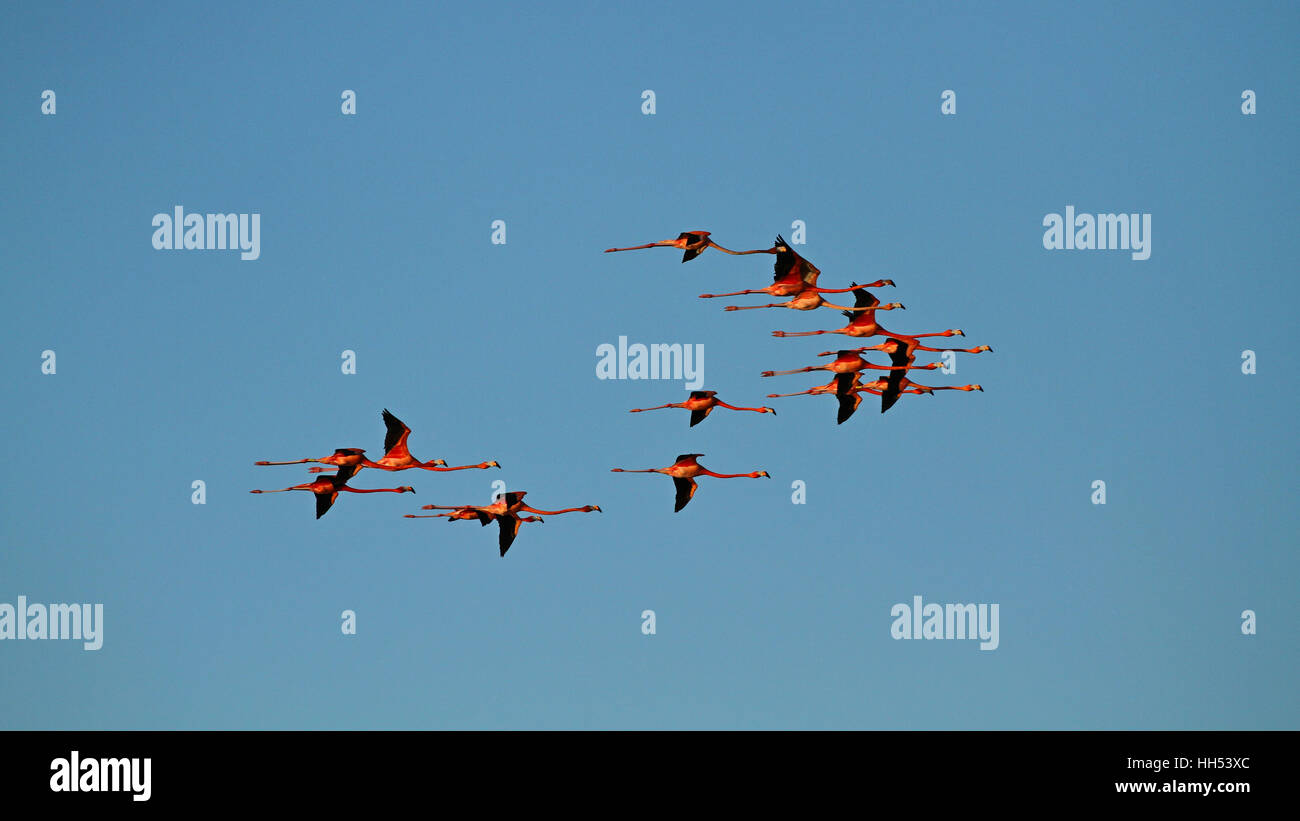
(848, 404)
(697, 416)
(509, 530)
(783, 267)
(892, 391)
(904, 355)
(344, 474)
(324, 501)
(685, 492)
(395, 437)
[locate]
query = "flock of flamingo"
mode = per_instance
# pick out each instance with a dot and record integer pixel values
(346, 462)
(793, 277)
(796, 278)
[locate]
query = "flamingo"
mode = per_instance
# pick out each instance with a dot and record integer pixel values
(469, 513)
(902, 353)
(327, 489)
(508, 522)
(509, 502)
(701, 404)
(863, 323)
(398, 457)
(503, 509)
(792, 274)
(845, 386)
(848, 389)
(850, 361)
(341, 457)
(693, 243)
(910, 347)
(810, 299)
(684, 471)
(512, 502)
(897, 384)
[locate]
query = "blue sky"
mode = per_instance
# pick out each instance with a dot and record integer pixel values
(174, 366)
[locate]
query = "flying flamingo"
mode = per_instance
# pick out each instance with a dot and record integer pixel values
(850, 361)
(910, 346)
(701, 404)
(684, 471)
(508, 522)
(902, 352)
(509, 502)
(810, 299)
(503, 510)
(845, 387)
(848, 389)
(897, 384)
(693, 243)
(792, 274)
(467, 514)
(327, 489)
(864, 323)
(398, 457)
(833, 386)
(341, 457)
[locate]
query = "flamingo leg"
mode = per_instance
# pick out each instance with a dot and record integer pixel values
(797, 393)
(798, 370)
(736, 293)
(734, 407)
(672, 243)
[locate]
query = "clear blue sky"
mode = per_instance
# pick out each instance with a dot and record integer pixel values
(375, 237)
